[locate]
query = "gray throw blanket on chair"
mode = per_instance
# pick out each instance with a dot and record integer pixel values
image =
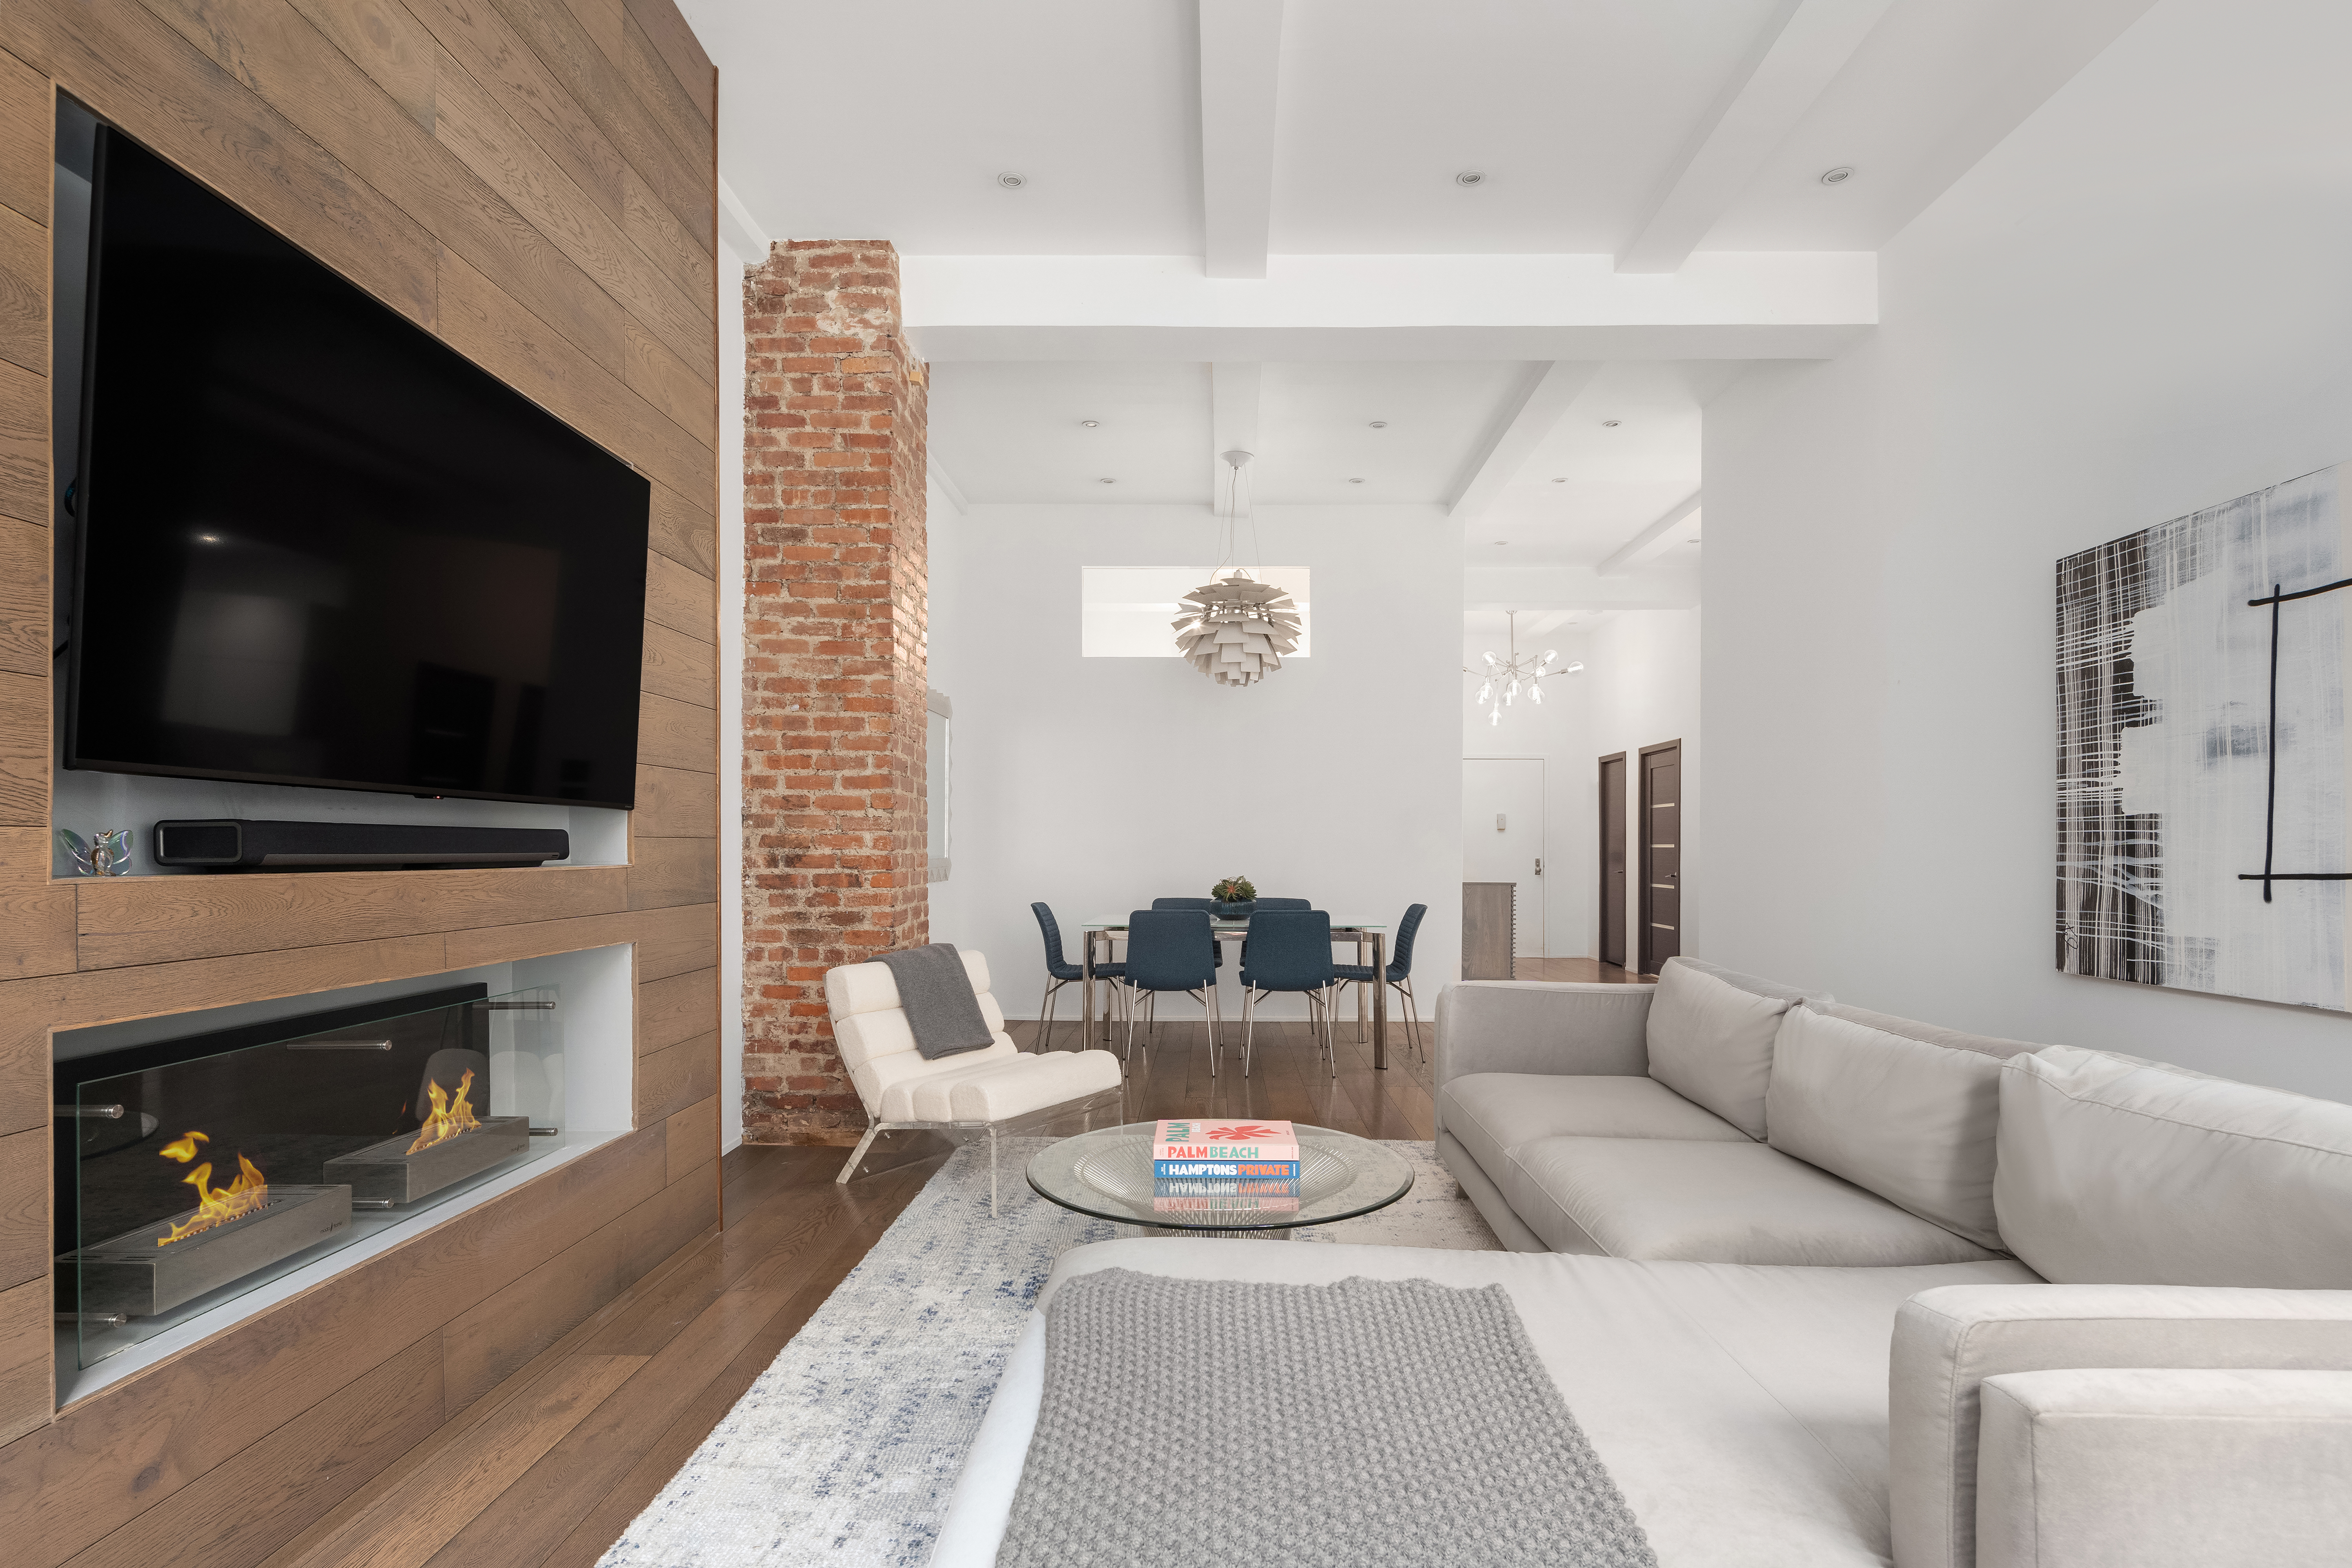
(1370, 1424)
(937, 993)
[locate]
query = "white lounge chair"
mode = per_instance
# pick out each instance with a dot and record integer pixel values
(972, 1091)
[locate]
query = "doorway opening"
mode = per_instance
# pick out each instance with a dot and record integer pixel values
(1612, 925)
(1660, 824)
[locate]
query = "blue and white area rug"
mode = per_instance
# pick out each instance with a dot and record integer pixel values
(846, 1448)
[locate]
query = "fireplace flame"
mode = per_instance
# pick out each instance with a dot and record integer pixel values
(450, 1118)
(215, 1205)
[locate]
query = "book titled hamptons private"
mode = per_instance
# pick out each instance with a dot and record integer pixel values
(1197, 1146)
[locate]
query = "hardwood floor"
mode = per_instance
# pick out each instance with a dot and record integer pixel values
(547, 1468)
(550, 1466)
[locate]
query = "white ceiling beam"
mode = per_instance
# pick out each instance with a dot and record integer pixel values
(1578, 589)
(1723, 305)
(1233, 423)
(1800, 51)
(1650, 541)
(1545, 396)
(1241, 58)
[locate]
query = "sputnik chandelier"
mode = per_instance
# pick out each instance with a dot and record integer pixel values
(1503, 677)
(1235, 628)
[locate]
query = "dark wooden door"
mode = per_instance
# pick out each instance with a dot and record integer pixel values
(1659, 824)
(1613, 859)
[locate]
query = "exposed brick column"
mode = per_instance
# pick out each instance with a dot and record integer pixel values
(835, 602)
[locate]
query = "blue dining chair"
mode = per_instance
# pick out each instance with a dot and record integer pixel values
(1273, 904)
(1400, 973)
(1061, 972)
(1288, 950)
(1207, 907)
(1170, 950)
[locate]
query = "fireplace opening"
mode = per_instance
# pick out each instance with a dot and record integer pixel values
(192, 1169)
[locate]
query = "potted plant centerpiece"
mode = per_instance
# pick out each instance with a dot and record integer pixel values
(1235, 898)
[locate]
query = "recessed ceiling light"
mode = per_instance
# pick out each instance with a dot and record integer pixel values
(1469, 177)
(1354, 481)
(1090, 424)
(1011, 181)
(208, 539)
(1105, 482)
(1380, 424)
(1502, 542)
(1839, 175)
(1561, 481)
(1610, 423)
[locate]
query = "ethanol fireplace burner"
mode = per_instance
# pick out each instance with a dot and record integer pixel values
(189, 1170)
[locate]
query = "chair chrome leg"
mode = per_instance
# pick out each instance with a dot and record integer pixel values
(1249, 1026)
(873, 1131)
(991, 1170)
(1045, 1012)
(1128, 1056)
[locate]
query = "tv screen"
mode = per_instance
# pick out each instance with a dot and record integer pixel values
(318, 546)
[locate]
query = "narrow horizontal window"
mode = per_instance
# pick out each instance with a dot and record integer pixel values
(1129, 612)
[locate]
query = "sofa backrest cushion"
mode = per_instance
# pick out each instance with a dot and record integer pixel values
(2118, 1170)
(1710, 1035)
(1908, 1110)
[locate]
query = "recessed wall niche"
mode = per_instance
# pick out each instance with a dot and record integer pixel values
(208, 1164)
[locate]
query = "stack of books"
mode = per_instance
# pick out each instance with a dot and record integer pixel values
(1204, 1165)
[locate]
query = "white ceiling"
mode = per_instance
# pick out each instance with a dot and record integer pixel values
(1639, 136)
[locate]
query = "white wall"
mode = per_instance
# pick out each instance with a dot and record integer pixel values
(730, 697)
(1095, 784)
(2136, 306)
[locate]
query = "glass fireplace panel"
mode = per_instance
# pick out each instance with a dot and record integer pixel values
(197, 1180)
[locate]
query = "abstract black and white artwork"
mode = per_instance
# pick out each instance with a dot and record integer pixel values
(2202, 841)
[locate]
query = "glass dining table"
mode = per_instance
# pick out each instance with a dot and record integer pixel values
(1370, 937)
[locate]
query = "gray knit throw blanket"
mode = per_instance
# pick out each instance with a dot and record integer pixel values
(1370, 1424)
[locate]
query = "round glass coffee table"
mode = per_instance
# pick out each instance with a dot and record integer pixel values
(1108, 1174)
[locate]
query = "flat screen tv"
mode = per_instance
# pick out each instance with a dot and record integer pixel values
(318, 546)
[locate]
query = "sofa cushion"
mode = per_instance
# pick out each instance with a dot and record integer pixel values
(1742, 1412)
(1710, 1036)
(2118, 1170)
(1713, 1203)
(2112, 1465)
(1908, 1110)
(1948, 1342)
(1494, 1112)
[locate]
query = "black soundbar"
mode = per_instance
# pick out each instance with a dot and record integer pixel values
(234, 844)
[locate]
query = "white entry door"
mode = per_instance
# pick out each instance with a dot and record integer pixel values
(1503, 835)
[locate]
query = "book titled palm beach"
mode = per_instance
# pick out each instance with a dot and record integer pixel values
(1201, 1146)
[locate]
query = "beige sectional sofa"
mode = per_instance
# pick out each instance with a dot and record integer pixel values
(1824, 1287)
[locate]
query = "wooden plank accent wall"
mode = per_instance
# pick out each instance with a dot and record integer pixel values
(534, 181)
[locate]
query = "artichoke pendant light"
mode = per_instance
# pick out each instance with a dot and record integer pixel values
(1235, 628)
